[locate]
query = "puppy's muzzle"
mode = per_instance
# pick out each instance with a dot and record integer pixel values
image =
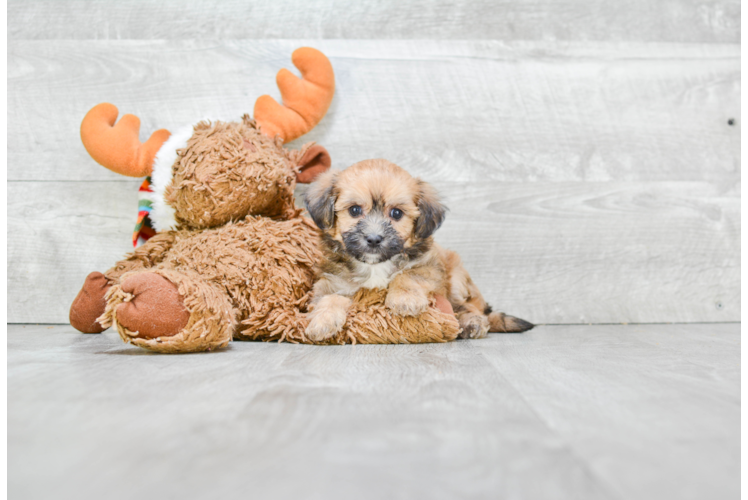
(372, 239)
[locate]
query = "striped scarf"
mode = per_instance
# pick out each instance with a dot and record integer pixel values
(143, 228)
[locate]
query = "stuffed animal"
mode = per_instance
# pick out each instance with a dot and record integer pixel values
(231, 258)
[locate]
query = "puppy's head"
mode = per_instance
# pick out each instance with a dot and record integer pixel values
(375, 210)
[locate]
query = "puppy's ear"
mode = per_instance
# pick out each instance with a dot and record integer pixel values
(320, 199)
(431, 209)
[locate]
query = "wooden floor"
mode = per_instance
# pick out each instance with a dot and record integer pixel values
(561, 412)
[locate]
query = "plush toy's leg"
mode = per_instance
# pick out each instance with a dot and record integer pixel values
(155, 310)
(89, 304)
(170, 311)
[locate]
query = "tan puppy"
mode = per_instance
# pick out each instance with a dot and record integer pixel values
(377, 224)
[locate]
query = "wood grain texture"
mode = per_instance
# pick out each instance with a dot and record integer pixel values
(58, 232)
(573, 412)
(447, 111)
(600, 252)
(705, 21)
(574, 252)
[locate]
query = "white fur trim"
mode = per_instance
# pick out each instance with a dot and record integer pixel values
(162, 214)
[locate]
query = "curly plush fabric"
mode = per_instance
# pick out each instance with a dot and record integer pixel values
(370, 322)
(252, 280)
(209, 186)
(210, 325)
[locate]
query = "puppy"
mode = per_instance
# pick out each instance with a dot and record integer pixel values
(377, 224)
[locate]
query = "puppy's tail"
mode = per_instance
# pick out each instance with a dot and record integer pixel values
(503, 323)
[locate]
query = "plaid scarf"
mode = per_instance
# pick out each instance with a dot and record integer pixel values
(143, 228)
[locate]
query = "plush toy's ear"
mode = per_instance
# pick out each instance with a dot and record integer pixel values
(432, 212)
(315, 161)
(320, 200)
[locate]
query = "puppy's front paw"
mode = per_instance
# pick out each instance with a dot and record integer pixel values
(325, 324)
(407, 303)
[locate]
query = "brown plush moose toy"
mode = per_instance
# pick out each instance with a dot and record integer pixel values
(232, 257)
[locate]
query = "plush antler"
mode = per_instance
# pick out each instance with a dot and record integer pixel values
(118, 147)
(305, 100)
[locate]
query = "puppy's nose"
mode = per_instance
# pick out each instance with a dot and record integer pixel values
(374, 239)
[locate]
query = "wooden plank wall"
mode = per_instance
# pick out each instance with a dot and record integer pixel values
(589, 150)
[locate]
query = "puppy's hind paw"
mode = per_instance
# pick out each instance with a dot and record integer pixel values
(474, 326)
(407, 304)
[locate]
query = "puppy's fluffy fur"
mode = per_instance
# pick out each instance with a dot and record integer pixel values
(377, 224)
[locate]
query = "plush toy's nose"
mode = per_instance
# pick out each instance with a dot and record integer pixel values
(374, 239)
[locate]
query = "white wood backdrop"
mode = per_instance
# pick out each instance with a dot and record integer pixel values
(583, 147)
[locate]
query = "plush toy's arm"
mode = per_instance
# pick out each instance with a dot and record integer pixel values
(146, 256)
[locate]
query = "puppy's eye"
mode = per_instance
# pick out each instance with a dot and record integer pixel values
(396, 213)
(355, 211)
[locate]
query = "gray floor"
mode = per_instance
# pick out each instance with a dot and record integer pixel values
(559, 412)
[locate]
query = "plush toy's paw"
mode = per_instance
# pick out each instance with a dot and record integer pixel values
(90, 304)
(474, 326)
(155, 308)
(406, 303)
